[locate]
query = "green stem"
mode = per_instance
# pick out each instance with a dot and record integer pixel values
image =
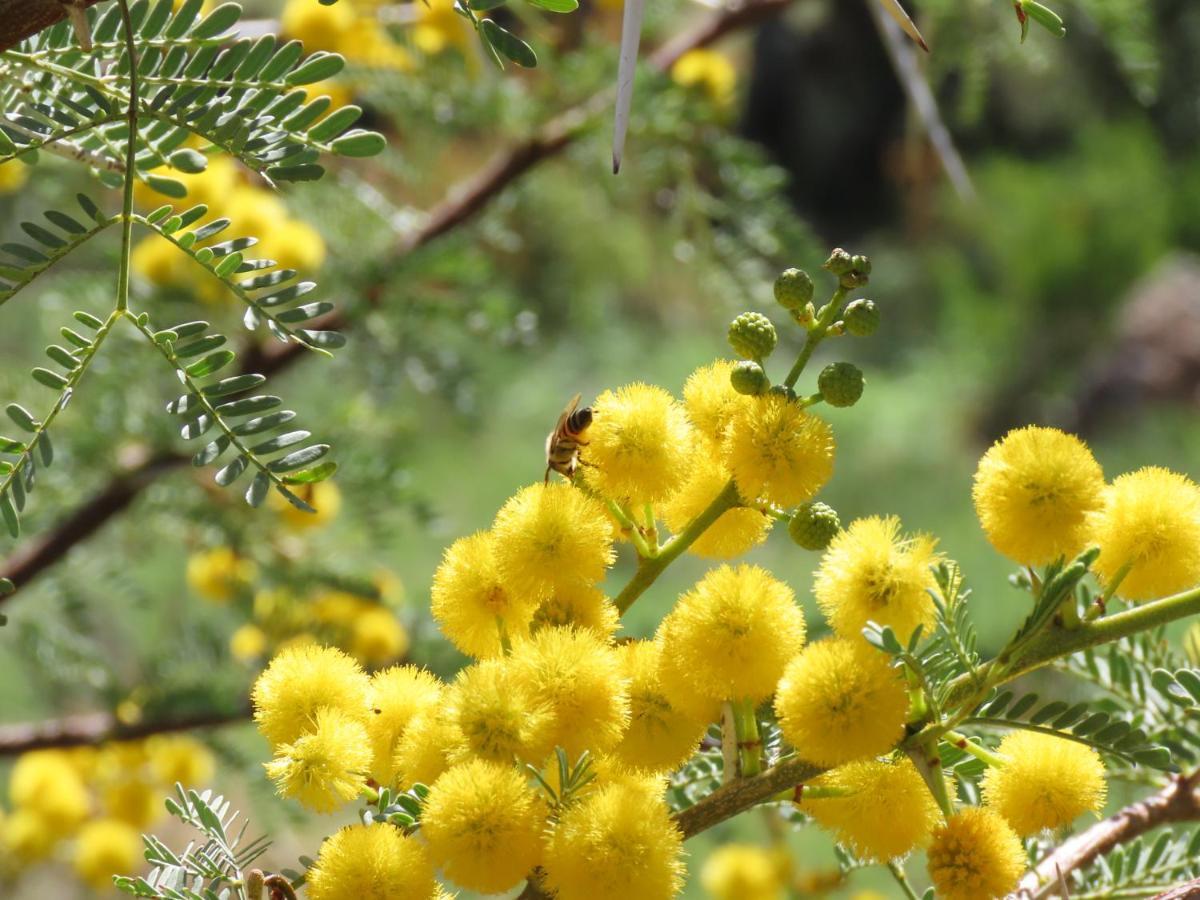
(819, 330)
(130, 164)
(901, 877)
(505, 643)
(962, 742)
(1100, 604)
(630, 527)
(811, 792)
(653, 566)
(749, 741)
(928, 760)
(651, 528)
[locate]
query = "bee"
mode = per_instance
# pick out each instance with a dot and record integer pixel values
(564, 442)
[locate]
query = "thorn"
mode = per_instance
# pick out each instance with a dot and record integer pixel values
(897, 12)
(616, 165)
(77, 13)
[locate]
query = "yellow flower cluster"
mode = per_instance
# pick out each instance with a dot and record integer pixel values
(90, 804)
(1040, 496)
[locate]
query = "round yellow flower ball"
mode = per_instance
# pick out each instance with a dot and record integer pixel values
(638, 444)
(431, 743)
(778, 452)
(326, 768)
(105, 848)
(218, 574)
(710, 400)
(375, 861)
(397, 695)
(734, 532)
(47, 783)
(498, 720)
(578, 607)
(1047, 783)
(299, 682)
(975, 855)
(742, 872)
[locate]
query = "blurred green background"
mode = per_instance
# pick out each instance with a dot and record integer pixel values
(1064, 293)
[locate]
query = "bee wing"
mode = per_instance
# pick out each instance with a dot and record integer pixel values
(570, 408)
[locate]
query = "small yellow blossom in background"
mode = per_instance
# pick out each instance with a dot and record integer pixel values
(293, 244)
(886, 813)
(339, 93)
(871, 573)
(105, 848)
(778, 451)
(299, 682)
(841, 700)
(742, 872)
(371, 861)
(13, 175)
(180, 759)
(46, 783)
(975, 855)
(247, 643)
(576, 679)
(439, 27)
(212, 187)
(1033, 492)
(254, 211)
(483, 824)
(1047, 783)
(132, 799)
(660, 735)
(639, 444)
(708, 71)
(491, 707)
(327, 767)
(616, 843)
(367, 43)
(218, 574)
(729, 638)
(426, 748)
(324, 496)
(397, 694)
(1150, 522)
(376, 636)
(580, 607)
(319, 27)
(551, 537)
(161, 263)
(710, 400)
(735, 531)
(470, 601)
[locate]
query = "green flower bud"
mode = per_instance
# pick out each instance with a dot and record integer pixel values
(752, 336)
(840, 262)
(841, 383)
(804, 317)
(861, 318)
(793, 289)
(749, 378)
(814, 525)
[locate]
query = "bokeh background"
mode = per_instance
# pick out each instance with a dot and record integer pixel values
(1061, 286)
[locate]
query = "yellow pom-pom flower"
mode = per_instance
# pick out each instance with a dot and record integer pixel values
(430, 743)
(302, 680)
(327, 767)
(841, 700)
(180, 759)
(1048, 782)
(371, 861)
(46, 782)
(778, 452)
(551, 537)
(975, 855)
(133, 799)
(161, 263)
(397, 695)
(870, 573)
(885, 810)
(318, 27)
(707, 71)
(13, 175)
(660, 735)
(439, 27)
(616, 843)
(489, 704)
(470, 601)
(294, 244)
(27, 836)
(376, 636)
(247, 643)
(734, 532)
(218, 574)
(1033, 492)
(325, 497)
(578, 607)
(742, 872)
(576, 680)
(484, 825)
(639, 444)
(105, 848)
(711, 401)
(1150, 522)
(729, 638)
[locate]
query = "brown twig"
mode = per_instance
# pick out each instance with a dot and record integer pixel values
(737, 796)
(1188, 891)
(87, 729)
(1177, 802)
(21, 18)
(461, 204)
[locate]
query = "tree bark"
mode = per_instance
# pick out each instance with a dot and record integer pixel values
(21, 18)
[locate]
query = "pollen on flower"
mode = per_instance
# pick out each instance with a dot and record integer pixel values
(372, 861)
(551, 537)
(616, 843)
(871, 573)
(885, 809)
(397, 694)
(729, 638)
(575, 679)
(1048, 782)
(1033, 492)
(483, 823)
(638, 444)
(327, 767)
(498, 720)
(734, 532)
(1150, 521)
(710, 400)
(841, 700)
(299, 682)
(975, 855)
(660, 736)
(471, 603)
(777, 451)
